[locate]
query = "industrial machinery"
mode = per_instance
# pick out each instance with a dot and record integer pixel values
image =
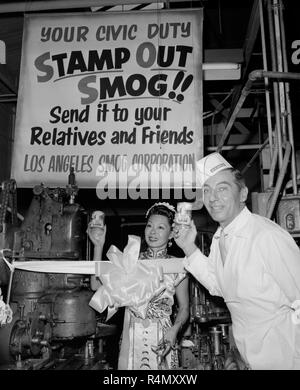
(209, 341)
(53, 325)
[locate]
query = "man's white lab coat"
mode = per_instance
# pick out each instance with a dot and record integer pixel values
(259, 282)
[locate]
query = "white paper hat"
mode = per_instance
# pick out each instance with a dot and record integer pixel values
(209, 165)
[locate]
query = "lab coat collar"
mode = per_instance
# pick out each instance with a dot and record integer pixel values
(237, 226)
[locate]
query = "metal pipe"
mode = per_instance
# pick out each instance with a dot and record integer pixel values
(282, 173)
(254, 75)
(235, 147)
(9, 286)
(8, 100)
(249, 164)
(273, 165)
(266, 81)
(250, 37)
(279, 68)
(275, 85)
(233, 116)
(7, 95)
(288, 103)
(258, 73)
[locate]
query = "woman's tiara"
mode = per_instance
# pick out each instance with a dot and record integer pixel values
(165, 204)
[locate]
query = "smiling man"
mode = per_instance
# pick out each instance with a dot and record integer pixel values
(253, 264)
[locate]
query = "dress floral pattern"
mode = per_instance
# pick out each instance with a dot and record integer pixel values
(141, 336)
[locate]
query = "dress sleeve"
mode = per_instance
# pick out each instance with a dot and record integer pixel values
(202, 268)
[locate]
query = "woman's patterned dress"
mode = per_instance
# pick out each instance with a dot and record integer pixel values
(140, 336)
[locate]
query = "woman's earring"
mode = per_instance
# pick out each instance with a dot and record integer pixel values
(170, 243)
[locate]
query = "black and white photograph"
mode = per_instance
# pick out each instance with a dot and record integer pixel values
(149, 190)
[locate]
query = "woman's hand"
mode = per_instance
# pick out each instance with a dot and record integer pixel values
(169, 340)
(97, 234)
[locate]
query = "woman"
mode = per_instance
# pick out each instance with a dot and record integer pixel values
(150, 343)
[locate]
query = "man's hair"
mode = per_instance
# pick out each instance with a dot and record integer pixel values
(238, 178)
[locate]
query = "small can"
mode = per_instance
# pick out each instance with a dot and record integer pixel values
(183, 215)
(97, 219)
(96, 227)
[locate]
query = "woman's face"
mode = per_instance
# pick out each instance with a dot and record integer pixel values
(158, 232)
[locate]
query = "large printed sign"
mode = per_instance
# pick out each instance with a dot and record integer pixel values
(118, 97)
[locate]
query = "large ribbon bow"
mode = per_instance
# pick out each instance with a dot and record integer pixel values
(129, 282)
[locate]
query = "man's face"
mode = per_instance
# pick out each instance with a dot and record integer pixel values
(222, 197)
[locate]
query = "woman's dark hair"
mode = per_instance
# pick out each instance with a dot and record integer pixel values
(161, 210)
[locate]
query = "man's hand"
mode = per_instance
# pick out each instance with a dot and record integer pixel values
(185, 236)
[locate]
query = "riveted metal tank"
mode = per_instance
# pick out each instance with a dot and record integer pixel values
(72, 315)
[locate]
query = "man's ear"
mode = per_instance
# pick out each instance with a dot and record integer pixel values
(243, 194)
